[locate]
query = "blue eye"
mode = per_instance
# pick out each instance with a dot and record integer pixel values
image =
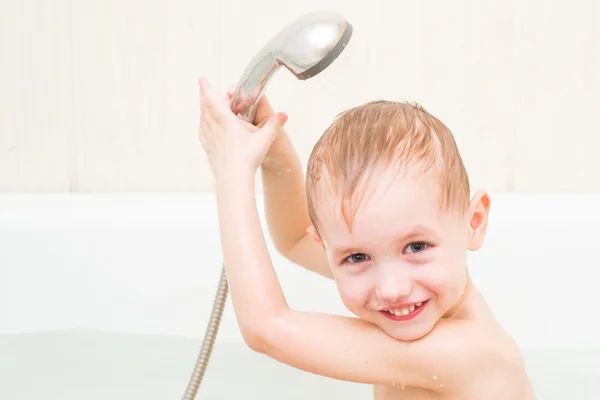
(357, 258)
(417, 247)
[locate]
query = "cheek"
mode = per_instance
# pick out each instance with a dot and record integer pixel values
(354, 291)
(444, 280)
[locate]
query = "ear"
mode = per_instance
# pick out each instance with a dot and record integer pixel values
(478, 219)
(312, 231)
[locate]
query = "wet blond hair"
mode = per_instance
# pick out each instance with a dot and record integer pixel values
(385, 134)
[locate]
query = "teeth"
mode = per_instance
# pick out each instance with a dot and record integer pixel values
(399, 312)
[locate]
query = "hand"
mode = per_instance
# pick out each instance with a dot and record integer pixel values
(264, 110)
(234, 147)
(279, 146)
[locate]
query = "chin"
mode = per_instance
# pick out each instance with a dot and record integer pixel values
(407, 334)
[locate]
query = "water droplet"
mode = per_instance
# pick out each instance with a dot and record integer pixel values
(278, 173)
(435, 377)
(288, 170)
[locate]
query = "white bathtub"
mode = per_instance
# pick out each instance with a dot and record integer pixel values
(107, 297)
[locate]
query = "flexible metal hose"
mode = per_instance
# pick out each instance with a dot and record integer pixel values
(209, 337)
(305, 47)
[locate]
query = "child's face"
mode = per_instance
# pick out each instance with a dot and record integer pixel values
(402, 254)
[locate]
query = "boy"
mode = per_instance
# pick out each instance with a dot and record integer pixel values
(387, 214)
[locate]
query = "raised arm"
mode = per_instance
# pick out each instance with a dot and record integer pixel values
(286, 209)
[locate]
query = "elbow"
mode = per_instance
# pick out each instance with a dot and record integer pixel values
(285, 248)
(293, 252)
(264, 336)
(256, 340)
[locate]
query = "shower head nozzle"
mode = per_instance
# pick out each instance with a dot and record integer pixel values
(305, 47)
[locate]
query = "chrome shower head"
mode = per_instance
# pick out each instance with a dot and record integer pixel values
(305, 47)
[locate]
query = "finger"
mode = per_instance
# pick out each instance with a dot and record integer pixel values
(206, 113)
(252, 128)
(202, 140)
(242, 102)
(230, 91)
(202, 133)
(225, 101)
(206, 117)
(272, 127)
(207, 138)
(210, 103)
(264, 111)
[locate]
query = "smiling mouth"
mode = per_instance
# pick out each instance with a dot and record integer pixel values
(404, 313)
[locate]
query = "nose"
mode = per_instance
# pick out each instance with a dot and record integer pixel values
(392, 287)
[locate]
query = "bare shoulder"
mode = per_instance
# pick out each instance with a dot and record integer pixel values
(462, 358)
(497, 369)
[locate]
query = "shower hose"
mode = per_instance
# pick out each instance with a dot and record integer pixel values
(209, 338)
(305, 47)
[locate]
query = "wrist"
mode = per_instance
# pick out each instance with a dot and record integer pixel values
(234, 182)
(277, 156)
(273, 162)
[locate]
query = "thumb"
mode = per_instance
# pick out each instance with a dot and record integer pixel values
(230, 92)
(270, 130)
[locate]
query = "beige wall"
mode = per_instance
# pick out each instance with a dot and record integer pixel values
(101, 95)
